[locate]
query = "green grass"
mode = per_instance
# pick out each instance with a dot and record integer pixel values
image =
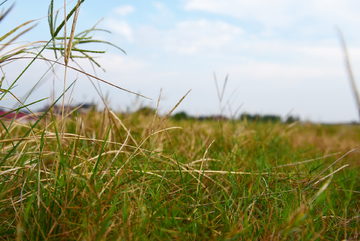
(107, 176)
(173, 184)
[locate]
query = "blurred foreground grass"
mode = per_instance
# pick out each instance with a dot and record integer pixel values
(136, 177)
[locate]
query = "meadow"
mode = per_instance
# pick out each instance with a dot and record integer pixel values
(102, 175)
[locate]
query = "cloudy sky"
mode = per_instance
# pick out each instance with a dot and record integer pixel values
(281, 56)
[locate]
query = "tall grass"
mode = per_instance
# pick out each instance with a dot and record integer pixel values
(107, 176)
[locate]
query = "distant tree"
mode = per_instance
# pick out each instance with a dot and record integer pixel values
(260, 118)
(248, 117)
(219, 117)
(180, 116)
(271, 118)
(245, 116)
(292, 119)
(146, 111)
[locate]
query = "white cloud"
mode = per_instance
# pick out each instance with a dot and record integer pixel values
(124, 10)
(122, 28)
(270, 13)
(282, 14)
(158, 6)
(121, 64)
(190, 37)
(282, 75)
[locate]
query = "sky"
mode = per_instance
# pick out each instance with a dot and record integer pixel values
(282, 57)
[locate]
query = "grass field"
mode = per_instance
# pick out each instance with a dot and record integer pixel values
(132, 177)
(102, 175)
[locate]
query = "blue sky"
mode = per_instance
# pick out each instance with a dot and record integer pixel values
(281, 56)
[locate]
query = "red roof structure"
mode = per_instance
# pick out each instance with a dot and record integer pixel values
(8, 115)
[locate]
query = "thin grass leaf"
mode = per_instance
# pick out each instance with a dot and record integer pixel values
(33, 126)
(77, 50)
(57, 138)
(21, 107)
(91, 59)
(217, 87)
(101, 151)
(349, 69)
(52, 24)
(2, 80)
(6, 57)
(72, 34)
(2, 16)
(75, 38)
(93, 29)
(8, 91)
(94, 77)
(17, 111)
(101, 41)
(7, 133)
(65, 52)
(224, 87)
(62, 24)
(15, 29)
(16, 37)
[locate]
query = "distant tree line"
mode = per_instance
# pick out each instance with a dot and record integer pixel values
(182, 115)
(268, 118)
(245, 116)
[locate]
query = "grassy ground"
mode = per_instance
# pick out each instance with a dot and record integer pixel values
(134, 177)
